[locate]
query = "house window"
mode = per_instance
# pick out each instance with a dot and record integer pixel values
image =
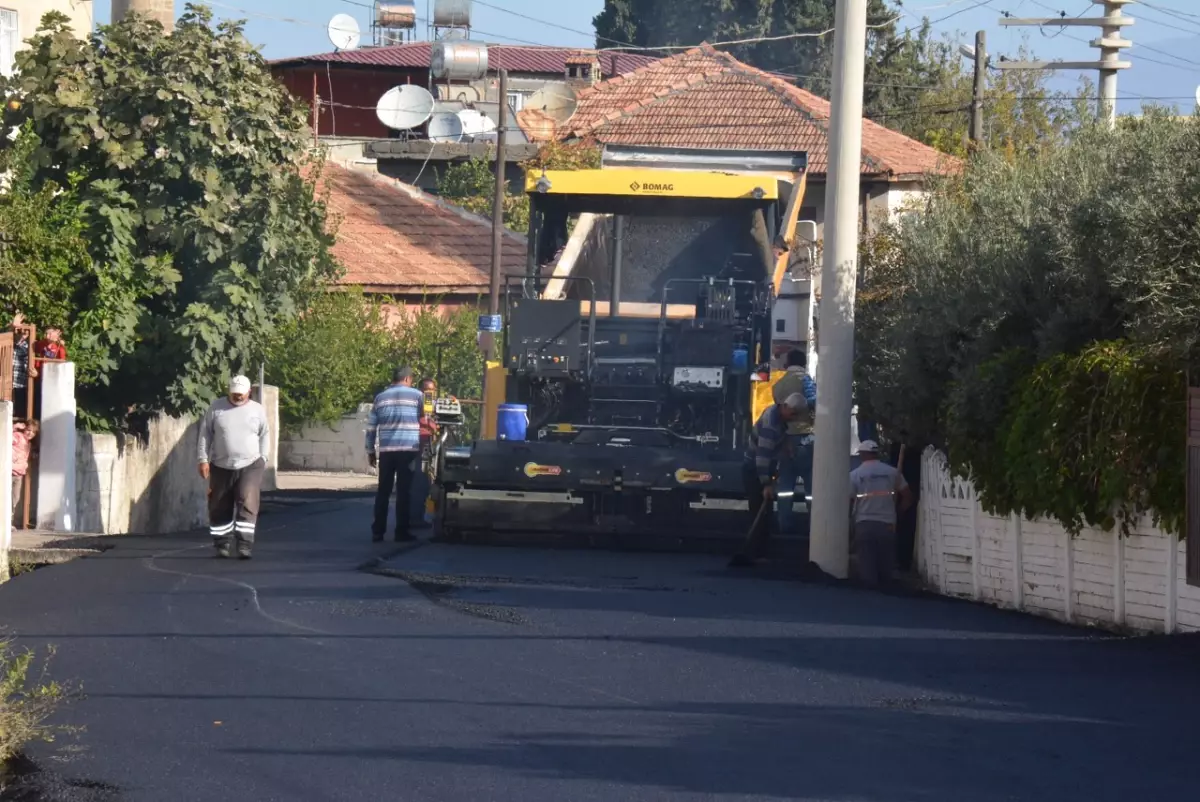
(780, 325)
(9, 41)
(516, 101)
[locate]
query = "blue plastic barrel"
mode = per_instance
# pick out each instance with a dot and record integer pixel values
(741, 362)
(512, 421)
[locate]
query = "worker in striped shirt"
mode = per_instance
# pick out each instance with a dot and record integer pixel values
(766, 446)
(394, 447)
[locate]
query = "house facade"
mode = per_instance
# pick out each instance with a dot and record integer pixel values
(19, 20)
(344, 87)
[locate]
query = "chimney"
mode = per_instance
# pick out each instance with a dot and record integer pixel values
(583, 69)
(161, 10)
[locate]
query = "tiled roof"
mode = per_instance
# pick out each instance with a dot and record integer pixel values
(514, 58)
(704, 98)
(394, 238)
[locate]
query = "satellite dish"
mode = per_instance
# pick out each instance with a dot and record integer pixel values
(556, 101)
(344, 32)
(403, 107)
(475, 123)
(1198, 95)
(445, 127)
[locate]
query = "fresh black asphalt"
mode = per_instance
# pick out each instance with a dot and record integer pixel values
(469, 673)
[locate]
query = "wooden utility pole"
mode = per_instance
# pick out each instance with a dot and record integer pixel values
(978, 90)
(1109, 43)
(498, 209)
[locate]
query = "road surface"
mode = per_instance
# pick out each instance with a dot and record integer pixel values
(494, 674)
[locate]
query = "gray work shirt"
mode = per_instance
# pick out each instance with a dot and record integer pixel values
(874, 486)
(234, 437)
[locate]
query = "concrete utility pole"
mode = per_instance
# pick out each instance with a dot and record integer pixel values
(830, 540)
(161, 10)
(498, 209)
(1109, 43)
(979, 88)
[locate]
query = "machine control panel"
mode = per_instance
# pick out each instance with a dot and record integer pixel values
(699, 378)
(540, 361)
(447, 411)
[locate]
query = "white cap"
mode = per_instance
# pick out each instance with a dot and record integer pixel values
(795, 401)
(868, 447)
(239, 385)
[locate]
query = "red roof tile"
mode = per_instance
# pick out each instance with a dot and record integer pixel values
(394, 238)
(514, 58)
(705, 98)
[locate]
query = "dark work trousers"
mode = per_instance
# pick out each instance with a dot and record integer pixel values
(395, 473)
(231, 492)
(756, 540)
(875, 549)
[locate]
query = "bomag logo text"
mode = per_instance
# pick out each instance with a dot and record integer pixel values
(636, 187)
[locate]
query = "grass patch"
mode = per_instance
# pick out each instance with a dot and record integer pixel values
(28, 700)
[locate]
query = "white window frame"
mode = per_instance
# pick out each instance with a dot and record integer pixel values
(10, 40)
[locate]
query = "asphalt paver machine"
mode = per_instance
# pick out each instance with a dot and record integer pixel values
(636, 360)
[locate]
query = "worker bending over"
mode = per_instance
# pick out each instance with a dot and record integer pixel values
(766, 447)
(798, 462)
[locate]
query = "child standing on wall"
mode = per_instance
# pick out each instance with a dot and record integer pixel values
(24, 433)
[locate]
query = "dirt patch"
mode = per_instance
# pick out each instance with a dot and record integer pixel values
(23, 780)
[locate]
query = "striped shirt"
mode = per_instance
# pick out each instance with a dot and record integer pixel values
(20, 364)
(767, 443)
(395, 421)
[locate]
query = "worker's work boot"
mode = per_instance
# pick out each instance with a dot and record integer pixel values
(223, 550)
(243, 550)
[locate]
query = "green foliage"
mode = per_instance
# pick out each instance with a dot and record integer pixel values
(330, 359)
(27, 702)
(342, 352)
(186, 158)
(472, 184)
(1094, 439)
(1020, 111)
(1077, 265)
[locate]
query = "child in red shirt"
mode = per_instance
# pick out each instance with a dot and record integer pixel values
(24, 433)
(51, 347)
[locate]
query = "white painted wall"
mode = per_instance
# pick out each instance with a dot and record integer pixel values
(334, 449)
(56, 501)
(29, 15)
(1096, 578)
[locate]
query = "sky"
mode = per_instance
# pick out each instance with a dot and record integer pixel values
(1165, 54)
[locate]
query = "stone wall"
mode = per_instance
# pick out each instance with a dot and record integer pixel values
(338, 448)
(129, 485)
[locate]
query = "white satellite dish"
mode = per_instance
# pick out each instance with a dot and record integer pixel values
(445, 127)
(344, 32)
(1198, 95)
(475, 123)
(403, 107)
(556, 101)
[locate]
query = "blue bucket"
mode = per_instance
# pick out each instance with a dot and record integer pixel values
(511, 421)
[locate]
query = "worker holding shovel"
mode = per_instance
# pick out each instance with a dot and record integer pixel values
(767, 445)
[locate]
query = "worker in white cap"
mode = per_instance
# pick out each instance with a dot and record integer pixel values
(232, 452)
(876, 489)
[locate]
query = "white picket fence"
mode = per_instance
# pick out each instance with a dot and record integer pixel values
(1098, 578)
